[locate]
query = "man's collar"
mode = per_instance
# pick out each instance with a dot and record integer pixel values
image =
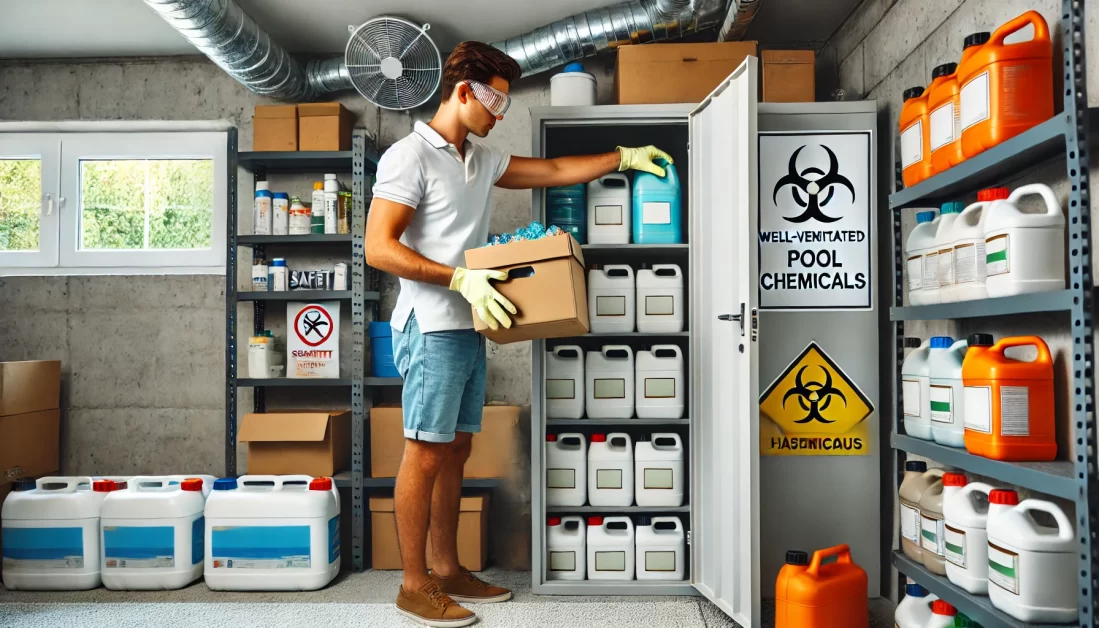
(432, 136)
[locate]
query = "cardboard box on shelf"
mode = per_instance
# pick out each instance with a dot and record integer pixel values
(495, 447)
(675, 73)
(789, 75)
(29, 386)
(29, 445)
(546, 283)
(275, 128)
(472, 534)
(324, 126)
(311, 443)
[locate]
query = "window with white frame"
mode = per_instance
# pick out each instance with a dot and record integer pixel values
(112, 202)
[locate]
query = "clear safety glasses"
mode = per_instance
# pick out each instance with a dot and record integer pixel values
(494, 100)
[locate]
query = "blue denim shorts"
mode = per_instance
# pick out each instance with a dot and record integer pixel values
(444, 381)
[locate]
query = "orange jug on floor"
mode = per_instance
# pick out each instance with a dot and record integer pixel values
(811, 595)
(1009, 407)
(1006, 88)
(915, 152)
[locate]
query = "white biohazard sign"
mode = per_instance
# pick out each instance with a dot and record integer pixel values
(313, 339)
(815, 236)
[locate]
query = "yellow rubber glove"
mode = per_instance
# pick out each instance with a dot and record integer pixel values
(642, 159)
(486, 301)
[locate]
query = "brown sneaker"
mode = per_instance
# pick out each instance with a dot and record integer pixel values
(466, 587)
(431, 607)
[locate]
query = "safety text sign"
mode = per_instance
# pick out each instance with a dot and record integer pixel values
(815, 237)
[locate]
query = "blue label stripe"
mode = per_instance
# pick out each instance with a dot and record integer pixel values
(198, 540)
(333, 539)
(260, 542)
(43, 543)
(138, 542)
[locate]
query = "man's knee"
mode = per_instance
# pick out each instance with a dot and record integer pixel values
(425, 457)
(460, 447)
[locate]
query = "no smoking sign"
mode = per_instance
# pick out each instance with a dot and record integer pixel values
(313, 325)
(313, 347)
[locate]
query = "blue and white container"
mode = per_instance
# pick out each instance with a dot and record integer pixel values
(272, 533)
(658, 207)
(566, 207)
(572, 87)
(609, 209)
(381, 350)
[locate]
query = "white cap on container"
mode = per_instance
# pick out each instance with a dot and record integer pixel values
(329, 177)
(262, 185)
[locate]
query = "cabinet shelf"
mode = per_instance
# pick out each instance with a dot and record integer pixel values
(296, 161)
(383, 381)
(619, 510)
(312, 238)
(1057, 301)
(290, 382)
(304, 295)
(617, 422)
(637, 334)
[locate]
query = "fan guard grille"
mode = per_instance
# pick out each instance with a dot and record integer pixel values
(393, 63)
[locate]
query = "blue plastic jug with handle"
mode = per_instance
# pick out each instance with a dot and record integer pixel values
(657, 207)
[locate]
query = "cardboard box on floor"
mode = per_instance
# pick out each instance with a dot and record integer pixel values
(546, 283)
(789, 75)
(275, 128)
(472, 534)
(495, 447)
(29, 386)
(30, 420)
(675, 73)
(311, 443)
(324, 126)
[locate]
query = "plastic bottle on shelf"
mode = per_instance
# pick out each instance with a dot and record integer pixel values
(608, 382)
(610, 470)
(942, 103)
(316, 219)
(658, 470)
(660, 392)
(612, 296)
(262, 219)
(942, 615)
(915, 607)
(566, 207)
(944, 245)
(657, 207)
(965, 509)
(566, 548)
(923, 288)
(331, 204)
(915, 137)
(661, 548)
(917, 479)
(300, 217)
(968, 237)
(609, 209)
(952, 154)
(916, 389)
(1025, 251)
(660, 299)
(566, 469)
(932, 531)
(280, 212)
(944, 363)
(611, 551)
(565, 382)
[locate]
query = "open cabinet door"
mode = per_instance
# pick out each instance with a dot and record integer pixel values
(725, 388)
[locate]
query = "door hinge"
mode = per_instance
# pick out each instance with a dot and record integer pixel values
(735, 317)
(755, 324)
(688, 538)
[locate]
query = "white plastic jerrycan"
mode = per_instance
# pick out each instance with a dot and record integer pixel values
(1025, 252)
(944, 244)
(566, 548)
(661, 547)
(914, 609)
(660, 305)
(659, 388)
(612, 297)
(1031, 567)
(923, 275)
(610, 470)
(968, 236)
(565, 382)
(609, 200)
(946, 390)
(658, 470)
(608, 383)
(610, 548)
(916, 389)
(965, 510)
(566, 469)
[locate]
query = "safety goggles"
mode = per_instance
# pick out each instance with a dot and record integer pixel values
(494, 100)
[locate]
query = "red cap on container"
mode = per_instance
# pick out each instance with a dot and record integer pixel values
(595, 521)
(191, 484)
(598, 438)
(104, 486)
(551, 438)
(993, 194)
(939, 607)
(1003, 497)
(553, 521)
(954, 479)
(320, 484)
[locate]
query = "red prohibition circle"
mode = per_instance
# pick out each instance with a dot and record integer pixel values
(326, 316)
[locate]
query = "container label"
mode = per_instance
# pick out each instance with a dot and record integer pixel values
(942, 126)
(942, 404)
(608, 214)
(915, 272)
(910, 523)
(910, 394)
(931, 529)
(997, 260)
(610, 561)
(656, 213)
(970, 264)
(610, 306)
(609, 389)
(608, 478)
(946, 267)
(912, 144)
(260, 547)
(955, 546)
(560, 389)
(658, 479)
(139, 547)
(978, 408)
(660, 305)
(560, 478)
(659, 561)
(562, 561)
(1003, 568)
(974, 101)
(931, 271)
(198, 540)
(43, 548)
(659, 387)
(1014, 411)
(333, 539)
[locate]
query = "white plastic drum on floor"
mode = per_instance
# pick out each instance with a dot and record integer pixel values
(272, 533)
(658, 470)
(610, 470)
(661, 548)
(566, 469)
(659, 388)
(51, 534)
(153, 534)
(612, 295)
(565, 382)
(660, 299)
(566, 548)
(608, 383)
(609, 199)
(610, 548)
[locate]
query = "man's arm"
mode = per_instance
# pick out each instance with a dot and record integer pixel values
(385, 225)
(524, 173)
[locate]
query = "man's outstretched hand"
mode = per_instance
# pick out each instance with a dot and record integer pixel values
(642, 159)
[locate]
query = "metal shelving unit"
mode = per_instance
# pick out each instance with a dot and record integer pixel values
(1076, 478)
(298, 295)
(312, 238)
(289, 382)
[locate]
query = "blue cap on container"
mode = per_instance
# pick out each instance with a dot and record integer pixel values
(941, 342)
(952, 207)
(922, 217)
(278, 261)
(915, 465)
(915, 590)
(282, 195)
(225, 484)
(574, 67)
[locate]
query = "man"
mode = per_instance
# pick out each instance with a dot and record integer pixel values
(432, 201)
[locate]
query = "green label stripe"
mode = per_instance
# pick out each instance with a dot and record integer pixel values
(1002, 569)
(929, 535)
(957, 549)
(940, 406)
(998, 256)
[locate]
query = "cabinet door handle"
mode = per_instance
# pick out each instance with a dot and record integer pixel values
(734, 317)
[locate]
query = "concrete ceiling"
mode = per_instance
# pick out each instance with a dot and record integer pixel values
(82, 28)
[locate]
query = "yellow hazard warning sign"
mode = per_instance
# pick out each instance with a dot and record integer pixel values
(814, 409)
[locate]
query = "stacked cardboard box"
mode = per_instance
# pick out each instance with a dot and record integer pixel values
(301, 442)
(472, 533)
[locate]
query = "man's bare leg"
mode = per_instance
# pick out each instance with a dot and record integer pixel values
(419, 470)
(445, 506)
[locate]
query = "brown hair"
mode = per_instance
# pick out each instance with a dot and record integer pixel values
(476, 61)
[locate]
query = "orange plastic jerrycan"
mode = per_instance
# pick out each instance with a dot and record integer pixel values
(915, 152)
(942, 107)
(1009, 407)
(809, 594)
(1006, 88)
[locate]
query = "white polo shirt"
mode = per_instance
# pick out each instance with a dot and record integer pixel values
(452, 199)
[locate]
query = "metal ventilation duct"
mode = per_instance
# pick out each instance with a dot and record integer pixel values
(740, 15)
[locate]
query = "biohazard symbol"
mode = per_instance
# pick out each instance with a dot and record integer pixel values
(813, 397)
(824, 183)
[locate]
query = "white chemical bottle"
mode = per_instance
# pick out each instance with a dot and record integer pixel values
(565, 382)
(965, 510)
(300, 217)
(944, 245)
(316, 223)
(968, 235)
(331, 204)
(660, 547)
(610, 548)
(916, 389)
(921, 242)
(947, 392)
(262, 219)
(1025, 251)
(280, 213)
(566, 469)
(610, 470)
(566, 548)
(915, 607)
